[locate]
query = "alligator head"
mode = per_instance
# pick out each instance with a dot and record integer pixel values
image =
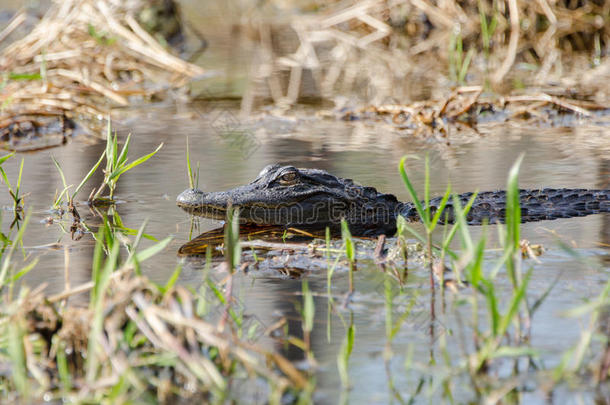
(300, 198)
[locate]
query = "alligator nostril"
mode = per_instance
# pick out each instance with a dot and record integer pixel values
(190, 196)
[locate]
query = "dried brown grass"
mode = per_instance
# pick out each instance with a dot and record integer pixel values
(155, 340)
(83, 58)
(404, 51)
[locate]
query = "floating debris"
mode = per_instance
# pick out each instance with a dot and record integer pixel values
(464, 108)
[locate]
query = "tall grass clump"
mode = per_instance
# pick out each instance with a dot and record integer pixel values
(350, 252)
(458, 61)
(491, 342)
(58, 201)
(117, 163)
(503, 334)
(137, 341)
(14, 191)
(429, 218)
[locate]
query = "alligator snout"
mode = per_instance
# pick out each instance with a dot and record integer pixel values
(190, 197)
(209, 205)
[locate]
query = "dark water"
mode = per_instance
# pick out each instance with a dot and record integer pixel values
(231, 151)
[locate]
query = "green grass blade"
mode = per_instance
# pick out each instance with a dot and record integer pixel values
(347, 240)
(16, 353)
(597, 304)
(152, 250)
(60, 197)
(351, 336)
(25, 76)
(134, 232)
(484, 26)
(440, 208)
(494, 271)
(89, 175)
(61, 172)
(465, 65)
(133, 164)
(63, 370)
(460, 216)
(6, 262)
(414, 232)
(96, 264)
(123, 156)
(5, 178)
(115, 150)
(493, 24)
(411, 189)
(25, 270)
(518, 296)
(5, 157)
(513, 224)
(19, 178)
(475, 273)
(101, 282)
(136, 242)
(308, 308)
(491, 298)
(173, 279)
(109, 158)
(188, 164)
(344, 354)
(231, 238)
(449, 237)
(513, 209)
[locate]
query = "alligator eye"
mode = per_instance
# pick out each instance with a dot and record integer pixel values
(288, 178)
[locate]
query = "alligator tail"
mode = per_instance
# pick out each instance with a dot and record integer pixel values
(536, 205)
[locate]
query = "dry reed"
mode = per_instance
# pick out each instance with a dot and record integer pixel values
(83, 58)
(398, 52)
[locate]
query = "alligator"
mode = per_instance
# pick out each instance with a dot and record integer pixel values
(313, 199)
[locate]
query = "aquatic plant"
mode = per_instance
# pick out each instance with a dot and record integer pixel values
(430, 222)
(350, 252)
(58, 200)
(193, 177)
(458, 63)
(116, 163)
(13, 191)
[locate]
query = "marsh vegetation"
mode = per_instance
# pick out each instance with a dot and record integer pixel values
(110, 296)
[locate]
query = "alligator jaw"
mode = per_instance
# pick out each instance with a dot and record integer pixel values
(197, 202)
